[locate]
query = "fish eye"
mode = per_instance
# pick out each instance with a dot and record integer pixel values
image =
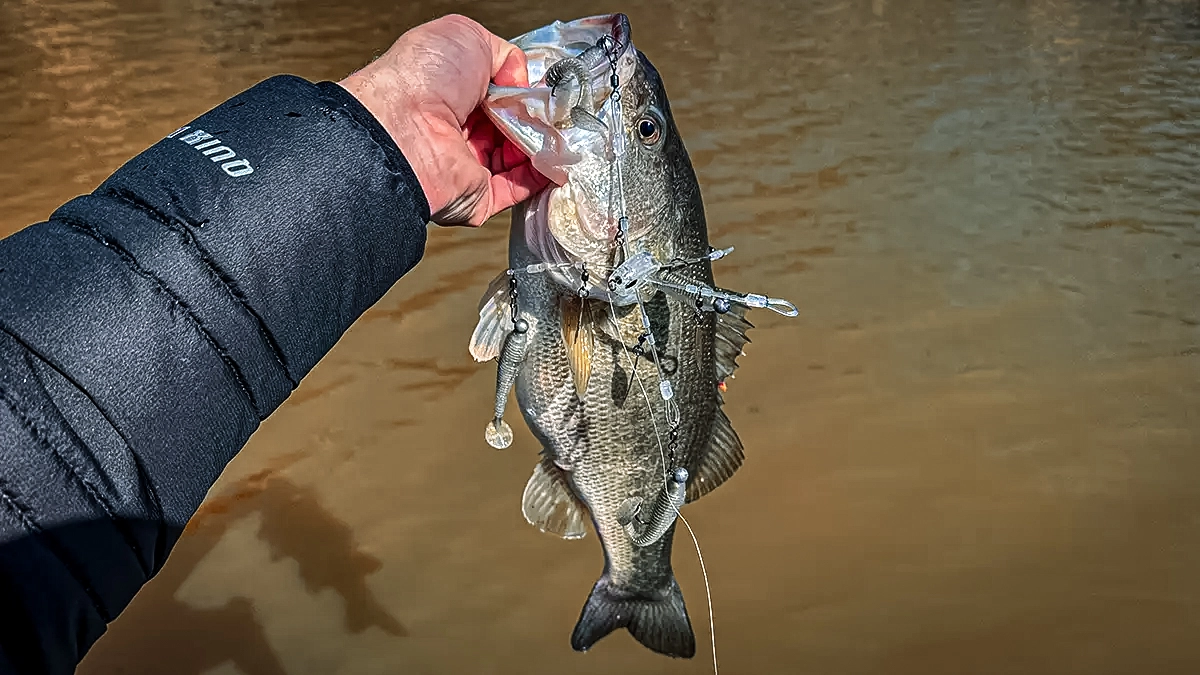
(649, 130)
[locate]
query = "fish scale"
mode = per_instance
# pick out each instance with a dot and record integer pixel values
(585, 384)
(613, 452)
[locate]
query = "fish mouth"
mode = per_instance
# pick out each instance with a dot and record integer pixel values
(531, 116)
(550, 44)
(568, 136)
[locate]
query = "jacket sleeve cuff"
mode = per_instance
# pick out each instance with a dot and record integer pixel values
(297, 194)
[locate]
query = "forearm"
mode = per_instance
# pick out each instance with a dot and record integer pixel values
(148, 328)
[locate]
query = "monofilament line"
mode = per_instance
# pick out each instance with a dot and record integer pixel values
(712, 628)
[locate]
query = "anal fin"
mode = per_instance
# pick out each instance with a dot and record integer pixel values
(549, 505)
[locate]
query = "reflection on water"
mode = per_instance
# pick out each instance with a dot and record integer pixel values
(974, 452)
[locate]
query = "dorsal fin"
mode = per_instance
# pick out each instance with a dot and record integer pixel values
(725, 453)
(549, 505)
(495, 320)
(730, 338)
(723, 458)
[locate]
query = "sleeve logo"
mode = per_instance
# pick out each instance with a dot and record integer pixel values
(213, 149)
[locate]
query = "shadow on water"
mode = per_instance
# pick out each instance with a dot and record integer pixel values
(169, 635)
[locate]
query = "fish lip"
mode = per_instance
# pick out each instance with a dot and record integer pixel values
(587, 30)
(521, 113)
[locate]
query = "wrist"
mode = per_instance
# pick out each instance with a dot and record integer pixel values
(401, 118)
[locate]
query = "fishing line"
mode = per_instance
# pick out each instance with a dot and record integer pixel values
(672, 418)
(712, 629)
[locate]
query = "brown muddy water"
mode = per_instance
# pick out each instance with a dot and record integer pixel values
(977, 450)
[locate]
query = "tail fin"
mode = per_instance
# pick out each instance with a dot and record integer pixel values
(661, 623)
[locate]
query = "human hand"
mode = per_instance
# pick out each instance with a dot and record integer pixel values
(426, 92)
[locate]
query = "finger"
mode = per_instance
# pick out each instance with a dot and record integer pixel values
(480, 136)
(511, 155)
(471, 124)
(509, 67)
(483, 153)
(515, 186)
(483, 140)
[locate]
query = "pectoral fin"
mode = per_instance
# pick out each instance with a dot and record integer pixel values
(549, 505)
(579, 340)
(495, 320)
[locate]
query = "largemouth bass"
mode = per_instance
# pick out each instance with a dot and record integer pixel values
(608, 325)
